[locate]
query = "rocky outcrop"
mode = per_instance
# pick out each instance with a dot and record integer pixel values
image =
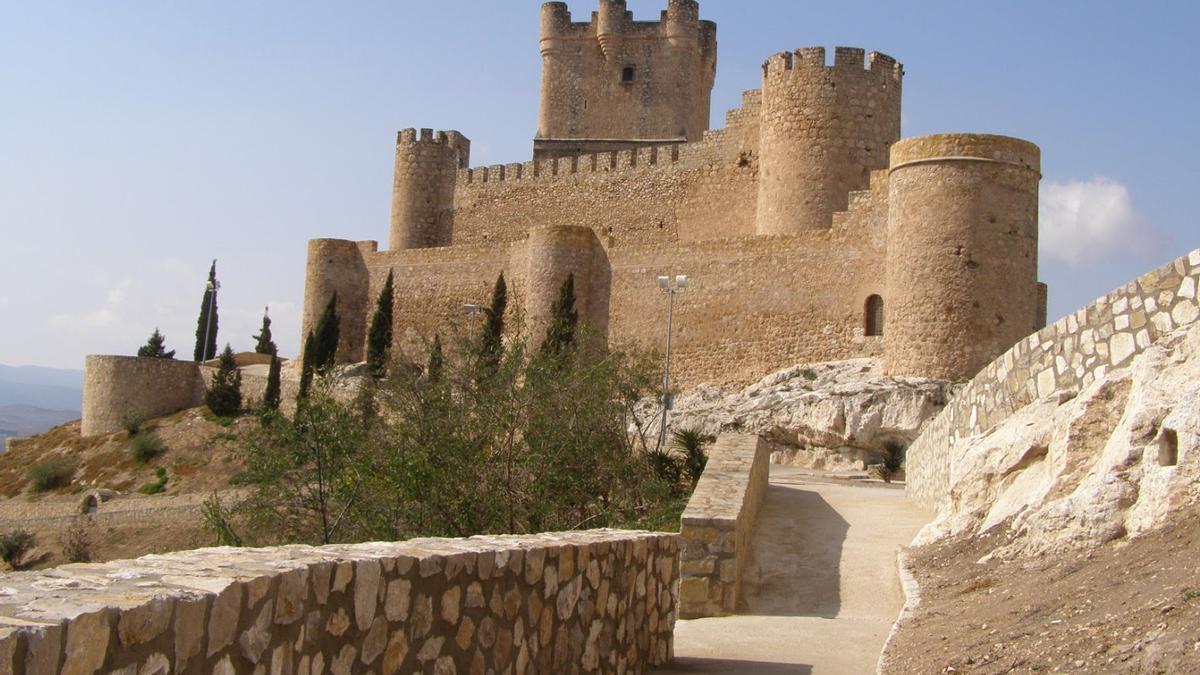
(834, 416)
(1081, 468)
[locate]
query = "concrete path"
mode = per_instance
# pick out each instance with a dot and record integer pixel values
(821, 591)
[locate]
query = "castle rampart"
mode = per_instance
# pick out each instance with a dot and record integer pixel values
(122, 389)
(1071, 354)
(962, 252)
(824, 128)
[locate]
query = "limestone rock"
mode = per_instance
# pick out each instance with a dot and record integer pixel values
(833, 416)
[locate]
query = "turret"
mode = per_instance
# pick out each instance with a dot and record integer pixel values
(610, 28)
(339, 266)
(555, 252)
(423, 188)
(961, 283)
(824, 129)
(682, 23)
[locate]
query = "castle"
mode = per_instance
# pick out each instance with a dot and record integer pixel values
(809, 230)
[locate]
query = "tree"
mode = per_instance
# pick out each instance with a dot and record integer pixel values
(326, 337)
(263, 343)
(379, 337)
(270, 401)
(206, 326)
(224, 397)
(563, 318)
(155, 347)
(306, 365)
(437, 361)
(491, 344)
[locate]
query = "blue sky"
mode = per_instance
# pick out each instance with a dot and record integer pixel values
(140, 140)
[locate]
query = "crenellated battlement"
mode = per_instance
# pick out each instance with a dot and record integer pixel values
(601, 162)
(846, 60)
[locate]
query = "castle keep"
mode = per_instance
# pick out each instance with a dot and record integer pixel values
(809, 229)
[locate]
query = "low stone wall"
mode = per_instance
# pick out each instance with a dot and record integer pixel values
(717, 525)
(597, 601)
(116, 388)
(1071, 354)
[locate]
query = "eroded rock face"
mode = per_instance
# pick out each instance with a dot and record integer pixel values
(1079, 469)
(832, 416)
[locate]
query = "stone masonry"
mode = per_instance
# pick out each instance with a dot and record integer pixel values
(1064, 357)
(601, 601)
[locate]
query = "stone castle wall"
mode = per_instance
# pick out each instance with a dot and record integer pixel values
(1068, 355)
(121, 388)
(598, 601)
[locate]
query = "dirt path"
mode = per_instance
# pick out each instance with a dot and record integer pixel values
(822, 590)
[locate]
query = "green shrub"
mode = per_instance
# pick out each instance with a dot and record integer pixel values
(692, 443)
(145, 447)
(132, 424)
(158, 486)
(51, 473)
(14, 545)
(809, 374)
(893, 460)
(78, 546)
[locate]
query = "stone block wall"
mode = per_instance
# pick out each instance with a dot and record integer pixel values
(120, 387)
(718, 523)
(598, 601)
(1070, 354)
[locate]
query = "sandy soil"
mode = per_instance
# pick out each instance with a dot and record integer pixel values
(1128, 607)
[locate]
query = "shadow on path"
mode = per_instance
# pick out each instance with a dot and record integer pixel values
(700, 665)
(795, 556)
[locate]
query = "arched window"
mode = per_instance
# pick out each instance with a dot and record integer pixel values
(873, 325)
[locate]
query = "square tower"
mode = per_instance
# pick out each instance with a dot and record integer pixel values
(614, 83)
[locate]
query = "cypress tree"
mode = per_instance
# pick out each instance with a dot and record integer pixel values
(263, 343)
(306, 365)
(492, 342)
(379, 338)
(563, 319)
(156, 347)
(224, 397)
(207, 349)
(270, 402)
(437, 360)
(326, 337)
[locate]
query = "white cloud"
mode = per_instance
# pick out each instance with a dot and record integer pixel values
(1086, 221)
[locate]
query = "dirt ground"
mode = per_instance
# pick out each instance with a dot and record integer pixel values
(1127, 607)
(200, 456)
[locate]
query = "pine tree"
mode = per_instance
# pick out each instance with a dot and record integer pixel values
(156, 347)
(263, 342)
(224, 397)
(437, 361)
(206, 334)
(271, 396)
(379, 338)
(492, 341)
(563, 320)
(326, 337)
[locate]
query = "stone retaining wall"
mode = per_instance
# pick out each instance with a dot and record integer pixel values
(717, 525)
(1071, 354)
(597, 601)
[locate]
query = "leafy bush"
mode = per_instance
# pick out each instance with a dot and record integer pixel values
(131, 423)
(14, 545)
(224, 396)
(219, 521)
(692, 443)
(145, 447)
(51, 473)
(78, 546)
(158, 486)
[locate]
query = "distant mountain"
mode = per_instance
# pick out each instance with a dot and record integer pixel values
(26, 420)
(52, 389)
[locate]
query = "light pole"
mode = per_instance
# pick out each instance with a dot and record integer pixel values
(670, 289)
(213, 287)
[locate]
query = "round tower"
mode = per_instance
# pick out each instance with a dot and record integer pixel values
(554, 113)
(610, 28)
(423, 188)
(824, 129)
(961, 284)
(339, 266)
(555, 252)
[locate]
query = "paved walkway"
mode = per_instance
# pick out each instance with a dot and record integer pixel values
(821, 591)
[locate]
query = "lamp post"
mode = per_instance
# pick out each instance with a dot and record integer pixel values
(213, 287)
(669, 288)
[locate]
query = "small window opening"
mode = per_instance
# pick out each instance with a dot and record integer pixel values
(874, 317)
(1168, 448)
(628, 73)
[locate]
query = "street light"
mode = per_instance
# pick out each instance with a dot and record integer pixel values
(670, 289)
(213, 286)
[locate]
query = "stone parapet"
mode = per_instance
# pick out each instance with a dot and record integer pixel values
(717, 525)
(1064, 357)
(597, 601)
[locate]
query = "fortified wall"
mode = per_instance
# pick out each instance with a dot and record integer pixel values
(801, 224)
(1069, 355)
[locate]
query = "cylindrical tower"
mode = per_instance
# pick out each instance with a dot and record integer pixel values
(555, 252)
(961, 252)
(423, 187)
(610, 27)
(824, 129)
(681, 23)
(555, 112)
(339, 266)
